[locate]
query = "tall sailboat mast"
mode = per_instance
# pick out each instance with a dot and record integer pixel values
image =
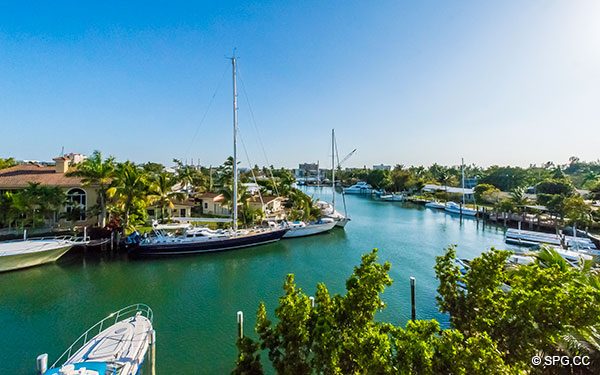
(235, 167)
(462, 170)
(333, 167)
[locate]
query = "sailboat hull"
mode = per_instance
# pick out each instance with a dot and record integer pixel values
(179, 248)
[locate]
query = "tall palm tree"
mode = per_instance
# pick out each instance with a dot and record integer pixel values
(129, 191)
(37, 202)
(161, 192)
(97, 172)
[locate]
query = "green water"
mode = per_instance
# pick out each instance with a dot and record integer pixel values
(195, 299)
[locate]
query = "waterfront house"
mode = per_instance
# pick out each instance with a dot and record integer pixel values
(213, 204)
(180, 209)
(272, 206)
(79, 198)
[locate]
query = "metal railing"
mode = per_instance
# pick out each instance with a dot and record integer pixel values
(94, 330)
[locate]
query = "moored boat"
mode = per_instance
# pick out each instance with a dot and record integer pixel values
(435, 204)
(392, 197)
(455, 208)
(28, 253)
(302, 229)
(203, 241)
(116, 345)
(360, 187)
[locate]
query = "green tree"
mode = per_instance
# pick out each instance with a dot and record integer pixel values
(525, 310)
(129, 194)
(161, 192)
(7, 163)
(340, 335)
(97, 172)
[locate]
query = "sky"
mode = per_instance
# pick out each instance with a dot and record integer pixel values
(404, 82)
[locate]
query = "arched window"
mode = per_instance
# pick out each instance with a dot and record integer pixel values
(76, 204)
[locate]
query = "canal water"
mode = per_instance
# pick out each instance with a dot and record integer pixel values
(195, 299)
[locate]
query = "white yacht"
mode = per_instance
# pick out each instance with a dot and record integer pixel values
(302, 229)
(116, 345)
(360, 187)
(455, 208)
(28, 253)
(328, 210)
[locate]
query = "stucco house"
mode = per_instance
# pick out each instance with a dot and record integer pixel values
(79, 197)
(212, 204)
(272, 206)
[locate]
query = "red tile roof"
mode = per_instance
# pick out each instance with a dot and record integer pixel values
(20, 176)
(213, 196)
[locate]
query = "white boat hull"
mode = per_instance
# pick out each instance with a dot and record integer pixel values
(309, 230)
(464, 211)
(14, 260)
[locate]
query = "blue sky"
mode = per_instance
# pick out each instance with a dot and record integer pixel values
(495, 82)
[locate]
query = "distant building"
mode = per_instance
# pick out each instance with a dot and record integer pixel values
(307, 171)
(382, 167)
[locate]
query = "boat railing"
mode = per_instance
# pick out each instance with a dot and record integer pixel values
(124, 313)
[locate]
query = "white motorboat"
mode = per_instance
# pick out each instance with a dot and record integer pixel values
(392, 197)
(455, 208)
(116, 345)
(28, 253)
(302, 229)
(360, 187)
(435, 204)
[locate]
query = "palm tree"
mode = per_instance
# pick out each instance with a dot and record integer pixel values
(161, 192)
(129, 191)
(37, 202)
(97, 172)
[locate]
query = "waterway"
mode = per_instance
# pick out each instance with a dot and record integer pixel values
(195, 299)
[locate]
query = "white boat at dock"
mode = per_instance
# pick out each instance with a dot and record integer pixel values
(435, 204)
(20, 254)
(455, 208)
(116, 345)
(530, 238)
(392, 197)
(360, 187)
(302, 229)
(327, 210)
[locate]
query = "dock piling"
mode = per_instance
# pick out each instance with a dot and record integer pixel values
(413, 308)
(41, 363)
(240, 323)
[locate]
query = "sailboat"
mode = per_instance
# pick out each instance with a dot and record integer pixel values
(162, 244)
(328, 209)
(455, 208)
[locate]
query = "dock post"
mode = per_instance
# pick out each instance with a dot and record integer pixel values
(112, 240)
(84, 233)
(413, 308)
(153, 353)
(24, 234)
(312, 301)
(240, 323)
(41, 363)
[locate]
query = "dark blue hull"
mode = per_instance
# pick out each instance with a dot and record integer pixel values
(212, 245)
